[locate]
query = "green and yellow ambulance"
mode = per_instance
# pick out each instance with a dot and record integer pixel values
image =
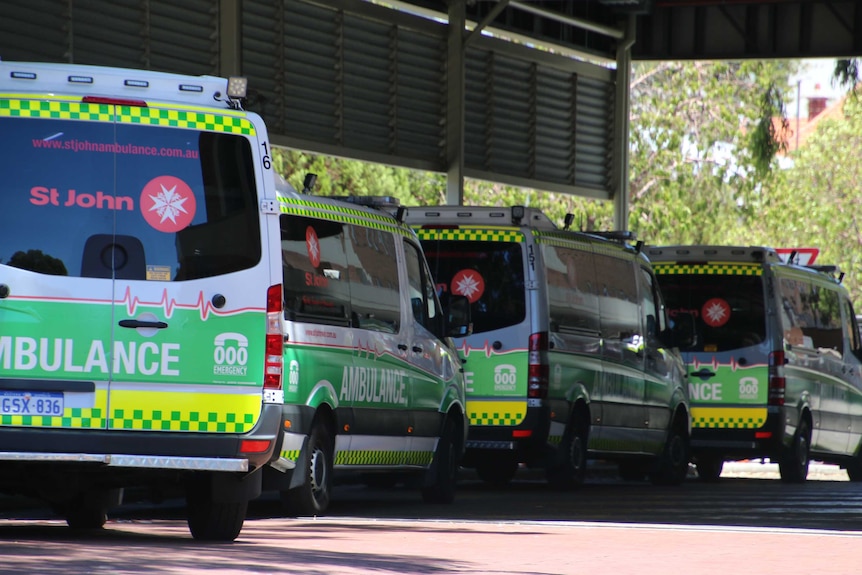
(570, 356)
(374, 387)
(140, 307)
(774, 371)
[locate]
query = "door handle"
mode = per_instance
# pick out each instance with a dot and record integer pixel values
(136, 323)
(417, 349)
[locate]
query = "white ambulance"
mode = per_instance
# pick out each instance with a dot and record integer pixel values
(571, 355)
(375, 388)
(140, 310)
(775, 370)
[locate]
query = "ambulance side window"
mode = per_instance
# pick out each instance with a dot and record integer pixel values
(372, 268)
(316, 286)
(571, 279)
(851, 328)
(422, 296)
(650, 305)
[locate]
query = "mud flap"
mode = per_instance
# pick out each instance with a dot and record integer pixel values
(231, 487)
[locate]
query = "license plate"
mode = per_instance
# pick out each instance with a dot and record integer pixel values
(30, 403)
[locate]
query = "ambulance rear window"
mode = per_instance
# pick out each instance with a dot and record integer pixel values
(728, 309)
(135, 202)
(490, 274)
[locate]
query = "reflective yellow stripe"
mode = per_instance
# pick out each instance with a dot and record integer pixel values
(714, 268)
(62, 109)
(292, 455)
(728, 417)
(496, 412)
(73, 417)
(343, 214)
(185, 411)
(56, 109)
(366, 457)
(487, 234)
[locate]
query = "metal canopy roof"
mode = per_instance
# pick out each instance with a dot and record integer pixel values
(684, 29)
(430, 84)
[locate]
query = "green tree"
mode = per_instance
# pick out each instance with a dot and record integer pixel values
(702, 147)
(818, 201)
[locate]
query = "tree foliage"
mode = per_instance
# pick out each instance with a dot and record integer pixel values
(702, 167)
(817, 201)
(702, 147)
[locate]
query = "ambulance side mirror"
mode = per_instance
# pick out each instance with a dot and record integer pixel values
(682, 332)
(458, 320)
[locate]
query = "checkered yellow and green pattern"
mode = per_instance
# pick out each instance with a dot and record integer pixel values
(79, 418)
(174, 420)
(496, 412)
(367, 457)
(728, 417)
(713, 268)
(343, 214)
(153, 116)
(607, 248)
(139, 420)
(489, 234)
(292, 455)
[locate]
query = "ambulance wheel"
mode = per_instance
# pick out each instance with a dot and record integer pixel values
(854, 467)
(444, 468)
(89, 510)
(709, 468)
(210, 519)
(313, 496)
(793, 463)
(85, 513)
(672, 467)
(496, 469)
(570, 467)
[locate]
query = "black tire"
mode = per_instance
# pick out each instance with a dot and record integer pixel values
(85, 513)
(854, 467)
(314, 495)
(672, 465)
(497, 469)
(570, 467)
(632, 471)
(210, 519)
(793, 463)
(709, 468)
(444, 467)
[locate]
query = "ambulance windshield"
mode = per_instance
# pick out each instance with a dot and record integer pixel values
(489, 274)
(125, 200)
(728, 309)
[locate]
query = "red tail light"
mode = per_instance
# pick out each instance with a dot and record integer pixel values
(274, 360)
(777, 383)
(537, 366)
(254, 445)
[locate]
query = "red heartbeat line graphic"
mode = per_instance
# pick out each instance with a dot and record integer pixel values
(168, 304)
(466, 349)
(132, 303)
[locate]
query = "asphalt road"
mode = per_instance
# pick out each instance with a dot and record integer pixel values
(749, 522)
